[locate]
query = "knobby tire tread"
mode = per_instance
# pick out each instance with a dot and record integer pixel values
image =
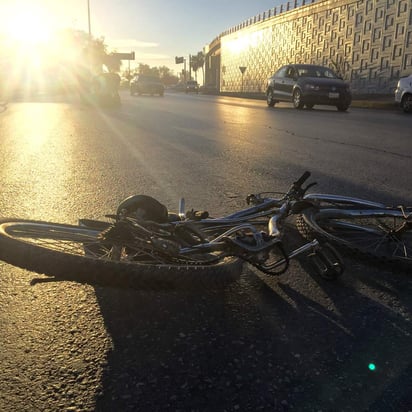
(96, 271)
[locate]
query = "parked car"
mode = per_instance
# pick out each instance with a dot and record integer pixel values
(192, 86)
(143, 84)
(403, 93)
(307, 85)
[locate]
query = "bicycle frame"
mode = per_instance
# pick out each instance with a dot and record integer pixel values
(344, 200)
(274, 210)
(270, 212)
(253, 234)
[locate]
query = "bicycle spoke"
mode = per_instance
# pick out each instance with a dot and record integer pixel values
(386, 236)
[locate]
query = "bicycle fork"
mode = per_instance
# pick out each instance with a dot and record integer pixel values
(325, 260)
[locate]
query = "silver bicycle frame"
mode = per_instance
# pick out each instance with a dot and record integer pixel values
(317, 197)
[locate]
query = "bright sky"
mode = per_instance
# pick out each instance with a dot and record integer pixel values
(157, 30)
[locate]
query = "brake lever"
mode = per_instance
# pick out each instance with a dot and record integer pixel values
(309, 186)
(298, 192)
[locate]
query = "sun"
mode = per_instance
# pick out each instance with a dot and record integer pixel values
(29, 26)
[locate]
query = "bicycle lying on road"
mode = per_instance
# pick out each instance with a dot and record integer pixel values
(145, 245)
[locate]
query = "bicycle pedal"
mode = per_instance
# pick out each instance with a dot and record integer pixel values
(327, 262)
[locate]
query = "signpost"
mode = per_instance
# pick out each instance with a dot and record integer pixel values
(124, 56)
(180, 60)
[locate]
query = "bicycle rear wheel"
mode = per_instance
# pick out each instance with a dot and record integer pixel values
(383, 234)
(76, 253)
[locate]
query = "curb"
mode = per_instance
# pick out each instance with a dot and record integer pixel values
(380, 102)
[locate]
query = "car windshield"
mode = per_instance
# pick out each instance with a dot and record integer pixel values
(316, 72)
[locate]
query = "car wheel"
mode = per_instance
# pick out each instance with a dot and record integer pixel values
(269, 98)
(297, 99)
(309, 106)
(342, 107)
(407, 103)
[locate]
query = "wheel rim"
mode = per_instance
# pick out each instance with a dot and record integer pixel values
(270, 97)
(386, 237)
(86, 242)
(407, 104)
(297, 99)
(74, 240)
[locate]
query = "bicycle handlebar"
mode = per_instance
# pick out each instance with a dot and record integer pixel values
(302, 179)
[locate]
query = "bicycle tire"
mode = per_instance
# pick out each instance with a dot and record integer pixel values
(60, 250)
(369, 233)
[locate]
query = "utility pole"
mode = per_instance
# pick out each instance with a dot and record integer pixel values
(89, 58)
(88, 18)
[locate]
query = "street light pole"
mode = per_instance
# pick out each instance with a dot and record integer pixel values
(88, 17)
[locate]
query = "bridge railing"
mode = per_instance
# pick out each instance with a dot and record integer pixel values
(275, 11)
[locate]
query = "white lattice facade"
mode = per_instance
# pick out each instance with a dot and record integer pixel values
(369, 41)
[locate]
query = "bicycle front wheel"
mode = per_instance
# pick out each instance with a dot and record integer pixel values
(383, 234)
(76, 253)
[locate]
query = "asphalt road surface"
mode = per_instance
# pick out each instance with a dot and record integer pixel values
(294, 342)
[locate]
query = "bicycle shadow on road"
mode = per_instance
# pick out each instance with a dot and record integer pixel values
(354, 327)
(294, 341)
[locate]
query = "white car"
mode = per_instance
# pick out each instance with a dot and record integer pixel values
(403, 93)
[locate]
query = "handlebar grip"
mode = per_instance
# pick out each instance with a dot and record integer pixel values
(302, 179)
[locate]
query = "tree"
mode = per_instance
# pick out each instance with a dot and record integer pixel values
(72, 55)
(147, 70)
(201, 63)
(112, 62)
(197, 62)
(194, 65)
(167, 76)
(83, 49)
(164, 72)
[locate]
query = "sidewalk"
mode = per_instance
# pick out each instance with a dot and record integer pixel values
(374, 101)
(370, 101)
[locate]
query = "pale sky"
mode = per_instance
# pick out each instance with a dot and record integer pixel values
(157, 30)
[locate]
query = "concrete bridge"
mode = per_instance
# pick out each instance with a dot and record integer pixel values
(368, 42)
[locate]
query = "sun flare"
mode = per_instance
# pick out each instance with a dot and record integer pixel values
(29, 26)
